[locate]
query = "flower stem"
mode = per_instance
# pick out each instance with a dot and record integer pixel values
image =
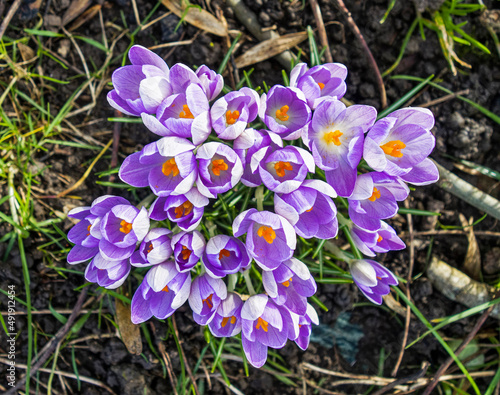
(248, 281)
(231, 282)
(259, 196)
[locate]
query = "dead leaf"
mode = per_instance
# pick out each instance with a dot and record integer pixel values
(129, 332)
(85, 17)
(198, 17)
(394, 305)
(472, 261)
(74, 10)
(269, 48)
(26, 52)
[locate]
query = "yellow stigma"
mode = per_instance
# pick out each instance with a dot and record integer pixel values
(262, 324)
(281, 114)
(280, 168)
(218, 165)
(225, 320)
(393, 148)
(165, 288)
(267, 233)
(223, 253)
(184, 209)
(208, 301)
(321, 85)
(333, 137)
(186, 112)
(125, 227)
(170, 167)
(232, 117)
(375, 195)
(186, 253)
(287, 282)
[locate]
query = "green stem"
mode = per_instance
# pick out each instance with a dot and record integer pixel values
(248, 281)
(259, 196)
(232, 280)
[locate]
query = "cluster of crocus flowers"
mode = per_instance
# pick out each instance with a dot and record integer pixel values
(207, 147)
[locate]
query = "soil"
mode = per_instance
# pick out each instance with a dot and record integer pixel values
(461, 131)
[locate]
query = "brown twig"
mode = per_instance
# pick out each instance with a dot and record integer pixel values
(442, 369)
(373, 63)
(12, 10)
(486, 233)
(117, 127)
(166, 360)
(444, 98)
(51, 344)
(321, 29)
(403, 380)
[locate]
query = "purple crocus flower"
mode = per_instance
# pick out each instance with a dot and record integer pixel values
(305, 323)
(380, 241)
(142, 86)
(270, 239)
(167, 166)
(375, 197)
(188, 248)
(220, 169)
(232, 112)
(156, 248)
(283, 170)
(264, 324)
(290, 284)
(335, 137)
(400, 141)
(211, 82)
(310, 209)
(162, 291)
(225, 255)
(250, 142)
(285, 111)
(185, 210)
(425, 173)
(107, 273)
(183, 114)
(206, 295)
(319, 82)
(372, 278)
(227, 319)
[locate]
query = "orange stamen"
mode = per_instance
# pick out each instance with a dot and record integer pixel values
(208, 301)
(218, 165)
(125, 227)
(184, 209)
(393, 148)
(333, 137)
(262, 324)
(150, 247)
(165, 288)
(223, 253)
(379, 239)
(287, 282)
(225, 320)
(88, 229)
(232, 117)
(321, 85)
(267, 233)
(375, 195)
(186, 113)
(308, 211)
(281, 114)
(186, 253)
(170, 167)
(280, 168)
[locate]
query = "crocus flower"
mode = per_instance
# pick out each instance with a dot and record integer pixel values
(290, 284)
(372, 278)
(335, 137)
(227, 318)
(425, 173)
(250, 142)
(220, 169)
(283, 170)
(285, 111)
(305, 323)
(206, 295)
(183, 114)
(188, 248)
(225, 255)
(400, 141)
(156, 248)
(310, 209)
(375, 197)
(264, 324)
(142, 86)
(270, 239)
(211, 82)
(380, 241)
(107, 273)
(185, 210)
(162, 291)
(319, 82)
(167, 166)
(232, 112)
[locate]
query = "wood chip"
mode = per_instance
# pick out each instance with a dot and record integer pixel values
(129, 332)
(269, 48)
(198, 17)
(85, 17)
